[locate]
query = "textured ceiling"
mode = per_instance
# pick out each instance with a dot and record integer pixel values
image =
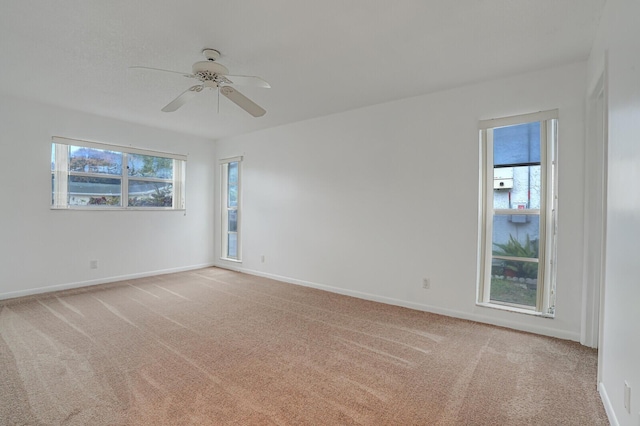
(321, 57)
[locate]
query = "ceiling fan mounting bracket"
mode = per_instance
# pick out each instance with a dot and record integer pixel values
(211, 54)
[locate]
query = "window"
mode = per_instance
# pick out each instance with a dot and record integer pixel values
(230, 179)
(518, 213)
(100, 176)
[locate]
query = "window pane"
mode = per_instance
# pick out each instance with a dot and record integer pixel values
(233, 173)
(232, 200)
(232, 185)
(233, 221)
(516, 144)
(521, 271)
(507, 289)
(148, 166)
(516, 235)
(93, 160)
(88, 191)
(232, 245)
(521, 187)
(144, 193)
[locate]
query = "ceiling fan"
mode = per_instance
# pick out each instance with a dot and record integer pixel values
(213, 75)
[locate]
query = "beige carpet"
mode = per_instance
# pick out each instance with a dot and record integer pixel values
(217, 347)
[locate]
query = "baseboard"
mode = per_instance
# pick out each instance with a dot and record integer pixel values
(68, 286)
(545, 331)
(607, 405)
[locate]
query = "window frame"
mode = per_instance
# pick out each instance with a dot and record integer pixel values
(547, 213)
(225, 209)
(61, 174)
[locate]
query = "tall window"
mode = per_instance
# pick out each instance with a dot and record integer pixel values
(100, 176)
(518, 212)
(231, 243)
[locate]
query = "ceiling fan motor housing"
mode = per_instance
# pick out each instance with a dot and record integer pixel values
(209, 70)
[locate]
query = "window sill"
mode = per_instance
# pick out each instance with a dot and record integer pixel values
(226, 259)
(120, 209)
(515, 309)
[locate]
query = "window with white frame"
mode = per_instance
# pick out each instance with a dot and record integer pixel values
(101, 176)
(230, 180)
(518, 211)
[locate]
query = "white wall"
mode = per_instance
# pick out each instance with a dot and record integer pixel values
(619, 34)
(370, 201)
(43, 249)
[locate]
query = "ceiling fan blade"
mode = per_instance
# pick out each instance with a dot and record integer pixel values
(184, 97)
(161, 70)
(247, 80)
(242, 101)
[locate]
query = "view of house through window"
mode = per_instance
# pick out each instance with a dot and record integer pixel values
(230, 178)
(92, 175)
(518, 212)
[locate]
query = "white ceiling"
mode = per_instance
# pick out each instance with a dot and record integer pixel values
(321, 57)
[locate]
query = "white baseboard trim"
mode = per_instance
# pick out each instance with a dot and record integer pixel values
(58, 287)
(545, 331)
(607, 405)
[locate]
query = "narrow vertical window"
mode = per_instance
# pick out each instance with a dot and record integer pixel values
(230, 179)
(518, 212)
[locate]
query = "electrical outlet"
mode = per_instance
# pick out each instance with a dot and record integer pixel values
(426, 283)
(93, 264)
(262, 258)
(627, 397)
